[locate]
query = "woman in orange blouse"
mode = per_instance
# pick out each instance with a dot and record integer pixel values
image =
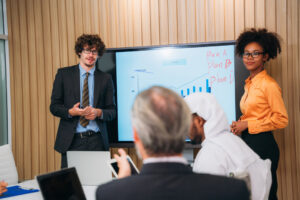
(262, 105)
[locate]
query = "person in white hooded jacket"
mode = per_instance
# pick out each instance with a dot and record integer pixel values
(223, 153)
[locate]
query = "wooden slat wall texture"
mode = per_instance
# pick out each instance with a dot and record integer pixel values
(42, 34)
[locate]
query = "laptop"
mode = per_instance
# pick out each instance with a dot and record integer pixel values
(91, 166)
(61, 185)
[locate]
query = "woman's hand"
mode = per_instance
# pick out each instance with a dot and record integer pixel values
(3, 186)
(237, 127)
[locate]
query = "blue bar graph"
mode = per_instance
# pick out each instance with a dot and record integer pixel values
(208, 89)
(188, 91)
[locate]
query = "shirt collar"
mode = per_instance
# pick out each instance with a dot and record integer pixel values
(257, 77)
(83, 72)
(176, 159)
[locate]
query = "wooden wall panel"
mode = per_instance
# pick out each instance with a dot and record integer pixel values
(103, 21)
(154, 18)
(229, 20)
(219, 20)
(86, 15)
(25, 90)
(172, 25)
(239, 17)
(191, 21)
(113, 25)
(249, 13)
(42, 107)
(210, 21)
(137, 23)
(15, 52)
(146, 29)
(200, 20)
(48, 84)
(130, 40)
(42, 34)
(122, 7)
(33, 87)
(260, 13)
(71, 29)
(181, 21)
(78, 19)
(95, 16)
(163, 22)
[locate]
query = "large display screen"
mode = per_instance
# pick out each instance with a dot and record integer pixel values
(185, 69)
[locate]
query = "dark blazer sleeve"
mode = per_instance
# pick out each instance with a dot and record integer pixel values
(57, 107)
(109, 109)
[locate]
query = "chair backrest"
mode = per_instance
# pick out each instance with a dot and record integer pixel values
(8, 170)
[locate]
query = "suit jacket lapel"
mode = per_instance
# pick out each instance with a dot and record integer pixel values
(97, 85)
(76, 83)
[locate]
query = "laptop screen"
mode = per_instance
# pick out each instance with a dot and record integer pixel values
(63, 184)
(91, 166)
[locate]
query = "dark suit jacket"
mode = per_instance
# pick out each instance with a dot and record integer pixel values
(66, 93)
(164, 181)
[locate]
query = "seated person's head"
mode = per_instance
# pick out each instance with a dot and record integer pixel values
(209, 119)
(161, 121)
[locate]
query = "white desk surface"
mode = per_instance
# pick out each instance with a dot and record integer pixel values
(89, 192)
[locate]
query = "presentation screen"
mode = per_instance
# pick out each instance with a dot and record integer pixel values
(186, 69)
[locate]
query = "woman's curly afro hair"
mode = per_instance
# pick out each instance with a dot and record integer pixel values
(269, 41)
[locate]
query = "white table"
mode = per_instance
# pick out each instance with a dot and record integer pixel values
(89, 192)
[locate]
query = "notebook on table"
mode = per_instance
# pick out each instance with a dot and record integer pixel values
(15, 191)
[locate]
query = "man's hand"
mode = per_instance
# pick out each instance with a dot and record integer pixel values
(3, 186)
(237, 127)
(91, 113)
(123, 164)
(76, 111)
(88, 112)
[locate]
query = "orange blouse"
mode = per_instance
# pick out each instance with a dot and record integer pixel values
(262, 104)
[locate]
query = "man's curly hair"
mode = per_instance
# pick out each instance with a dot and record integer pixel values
(90, 40)
(269, 41)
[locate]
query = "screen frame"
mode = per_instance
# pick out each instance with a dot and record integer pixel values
(240, 74)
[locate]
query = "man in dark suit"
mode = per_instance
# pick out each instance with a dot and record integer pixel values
(161, 120)
(83, 98)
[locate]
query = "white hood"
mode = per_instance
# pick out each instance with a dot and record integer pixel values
(217, 129)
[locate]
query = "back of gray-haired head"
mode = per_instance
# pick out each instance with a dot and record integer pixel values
(162, 120)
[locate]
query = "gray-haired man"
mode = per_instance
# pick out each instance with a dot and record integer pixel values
(161, 120)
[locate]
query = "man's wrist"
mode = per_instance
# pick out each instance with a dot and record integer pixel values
(99, 113)
(70, 112)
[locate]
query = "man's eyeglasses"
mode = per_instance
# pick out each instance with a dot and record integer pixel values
(88, 51)
(253, 55)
